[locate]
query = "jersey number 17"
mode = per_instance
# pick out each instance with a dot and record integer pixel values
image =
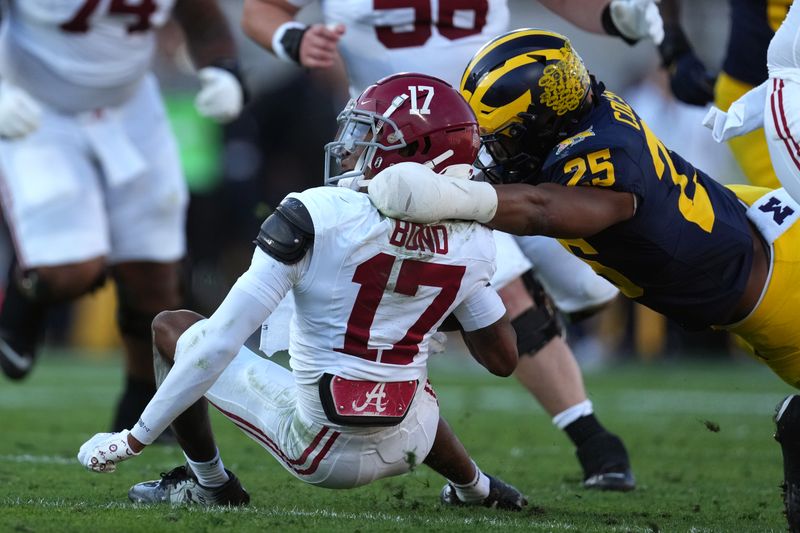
(373, 276)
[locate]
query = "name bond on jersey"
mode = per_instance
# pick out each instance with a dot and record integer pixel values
(411, 236)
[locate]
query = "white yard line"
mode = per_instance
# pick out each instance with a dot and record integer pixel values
(39, 459)
(527, 523)
(674, 401)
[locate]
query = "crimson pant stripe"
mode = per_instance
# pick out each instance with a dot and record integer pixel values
(262, 437)
(783, 133)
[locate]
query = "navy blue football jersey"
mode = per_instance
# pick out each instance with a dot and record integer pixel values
(687, 251)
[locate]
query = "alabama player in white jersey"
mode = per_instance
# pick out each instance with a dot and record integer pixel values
(90, 178)
(370, 291)
(378, 37)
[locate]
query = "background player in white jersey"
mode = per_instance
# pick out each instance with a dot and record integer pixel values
(89, 168)
(379, 37)
(773, 105)
(370, 292)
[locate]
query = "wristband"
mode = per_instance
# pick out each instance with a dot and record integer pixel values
(286, 41)
(610, 28)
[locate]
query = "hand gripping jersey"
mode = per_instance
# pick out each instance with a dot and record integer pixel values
(76, 55)
(687, 252)
(376, 288)
(436, 37)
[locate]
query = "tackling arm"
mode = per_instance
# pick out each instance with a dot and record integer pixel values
(558, 211)
(411, 191)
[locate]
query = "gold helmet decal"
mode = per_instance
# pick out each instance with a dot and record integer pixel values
(521, 69)
(564, 82)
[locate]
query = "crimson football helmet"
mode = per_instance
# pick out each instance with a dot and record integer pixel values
(404, 117)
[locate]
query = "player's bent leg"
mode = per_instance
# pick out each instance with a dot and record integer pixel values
(143, 290)
(547, 368)
(467, 485)
(28, 296)
(787, 433)
(203, 480)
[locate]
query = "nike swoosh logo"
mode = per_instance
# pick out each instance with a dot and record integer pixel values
(16, 360)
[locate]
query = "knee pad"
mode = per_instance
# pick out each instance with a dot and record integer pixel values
(133, 321)
(537, 326)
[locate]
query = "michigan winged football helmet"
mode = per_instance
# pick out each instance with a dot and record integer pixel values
(527, 88)
(404, 117)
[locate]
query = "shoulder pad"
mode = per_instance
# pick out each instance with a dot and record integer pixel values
(287, 233)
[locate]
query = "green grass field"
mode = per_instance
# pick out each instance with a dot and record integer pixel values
(690, 476)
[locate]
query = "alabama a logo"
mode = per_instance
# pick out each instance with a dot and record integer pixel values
(376, 397)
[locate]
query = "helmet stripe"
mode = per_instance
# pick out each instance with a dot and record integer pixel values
(509, 45)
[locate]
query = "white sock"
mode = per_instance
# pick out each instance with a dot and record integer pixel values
(211, 473)
(476, 490)
(571, 414)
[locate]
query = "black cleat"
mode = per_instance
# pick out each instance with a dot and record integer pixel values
(501, 496)
(787, 433)
(605, 464)
(17, 355)
(620, 479)
(180, 486)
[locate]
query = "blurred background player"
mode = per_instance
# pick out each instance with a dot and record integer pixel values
(383, 37)
(752, 25)
(91, 182)
(773, 105)
(369, 296)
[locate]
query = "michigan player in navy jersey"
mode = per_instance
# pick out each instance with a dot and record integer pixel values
(663, 231)
(752, 25)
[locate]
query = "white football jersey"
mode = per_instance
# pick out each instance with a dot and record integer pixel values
(76, 55)
(435, 37)
(377, 288)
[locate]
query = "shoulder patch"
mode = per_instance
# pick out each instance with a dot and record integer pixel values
(287, 233)
(575, 139)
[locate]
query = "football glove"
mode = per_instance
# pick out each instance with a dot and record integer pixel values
(102, 452)
(221, 96)
(637, 19)
(19, 112)
(689, 80)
